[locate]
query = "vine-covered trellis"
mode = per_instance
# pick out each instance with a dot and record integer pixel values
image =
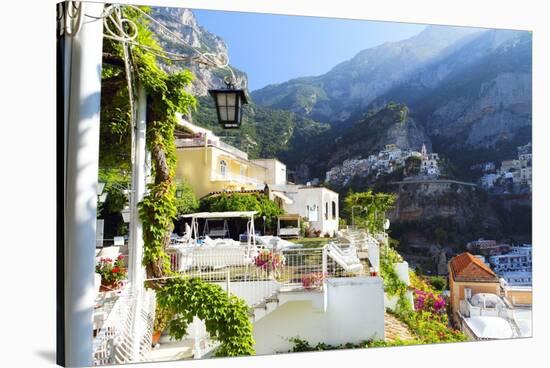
(132, 60)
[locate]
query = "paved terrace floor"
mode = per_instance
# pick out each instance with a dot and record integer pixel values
(394, 329)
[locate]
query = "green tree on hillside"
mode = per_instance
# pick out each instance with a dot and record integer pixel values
(369, 209)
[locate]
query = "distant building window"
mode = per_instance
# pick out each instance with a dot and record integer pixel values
(223, 168)
(333, 210)
(326, 210)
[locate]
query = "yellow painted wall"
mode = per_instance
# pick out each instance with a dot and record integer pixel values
(257, 172)
(195, 165)
(523, 297)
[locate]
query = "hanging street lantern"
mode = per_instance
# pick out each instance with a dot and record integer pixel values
(229, 103)
(125, 214)
(100, 187)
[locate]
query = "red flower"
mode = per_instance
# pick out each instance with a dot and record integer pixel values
(116, 269)
(120, 257)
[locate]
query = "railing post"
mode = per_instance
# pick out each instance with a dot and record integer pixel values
(228, 280)
(325, 262)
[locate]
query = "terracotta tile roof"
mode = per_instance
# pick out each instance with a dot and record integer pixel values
(466, 267)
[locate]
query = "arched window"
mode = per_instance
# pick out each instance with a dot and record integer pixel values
(223, 168)
(326, 210)
(333, 210)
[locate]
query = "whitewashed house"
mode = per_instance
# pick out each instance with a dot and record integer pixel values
(318, 204)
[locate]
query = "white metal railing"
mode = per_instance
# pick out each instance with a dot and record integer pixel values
(237, 152)
(125, 336)
(200, 142)
(245, 274)
(241, 179)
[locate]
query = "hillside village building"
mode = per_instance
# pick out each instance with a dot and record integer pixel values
(516, 171)
(486, 247)
(384, 162)
(212, 167)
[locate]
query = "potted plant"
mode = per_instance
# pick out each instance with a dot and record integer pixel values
(162, 318)
(112, 273)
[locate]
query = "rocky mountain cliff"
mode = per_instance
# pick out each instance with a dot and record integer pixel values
(355, 83)
(266, 132)
(468, 91)
(478, 95)
(183, 23)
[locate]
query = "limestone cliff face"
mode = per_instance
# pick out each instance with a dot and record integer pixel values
(183, 23)
(354, 84)
(477, 96)
(499, 109)
(467, 87)
(391, 124)
(460, 212)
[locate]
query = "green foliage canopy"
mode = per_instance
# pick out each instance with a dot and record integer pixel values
(243, 202)
(369, 209)
(185, 201)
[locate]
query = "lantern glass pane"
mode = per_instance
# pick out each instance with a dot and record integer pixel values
(223, 113)
(221, 99)
(231, 99)
(231, 113)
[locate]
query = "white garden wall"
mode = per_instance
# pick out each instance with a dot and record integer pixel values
(402, 269)
(354, 313)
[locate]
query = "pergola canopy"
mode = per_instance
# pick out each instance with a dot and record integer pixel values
(221, 215)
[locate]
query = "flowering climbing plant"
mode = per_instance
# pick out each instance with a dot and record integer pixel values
(269, 260)
(427, 301)
(111, 271)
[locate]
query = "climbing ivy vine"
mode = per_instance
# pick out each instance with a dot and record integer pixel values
(225, 315)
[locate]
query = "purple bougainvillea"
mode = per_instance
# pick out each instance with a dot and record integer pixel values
(425, 301)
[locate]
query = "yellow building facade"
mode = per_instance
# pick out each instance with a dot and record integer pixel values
(209, 165)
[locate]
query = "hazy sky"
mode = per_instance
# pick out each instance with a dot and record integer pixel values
(275, 48)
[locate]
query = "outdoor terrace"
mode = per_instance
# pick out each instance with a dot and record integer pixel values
(258, 274)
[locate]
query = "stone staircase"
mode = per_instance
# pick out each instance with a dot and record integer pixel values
(268, 305)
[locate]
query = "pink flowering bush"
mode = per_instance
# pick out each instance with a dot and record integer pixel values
(313, 280)
(427, 301)
(269, 260)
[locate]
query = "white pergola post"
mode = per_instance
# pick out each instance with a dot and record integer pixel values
(81, 168)
(136, 270)
(139, 178)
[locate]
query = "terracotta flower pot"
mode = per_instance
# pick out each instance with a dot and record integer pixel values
(155, 338)
(109, 287)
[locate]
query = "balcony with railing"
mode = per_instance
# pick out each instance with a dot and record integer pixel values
(205, 141)
(236, 178)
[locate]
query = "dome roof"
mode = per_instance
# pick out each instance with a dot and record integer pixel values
(489, 327)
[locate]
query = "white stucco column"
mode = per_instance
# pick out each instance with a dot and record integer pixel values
(136, 270)
(139, 178)
(81, 165)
